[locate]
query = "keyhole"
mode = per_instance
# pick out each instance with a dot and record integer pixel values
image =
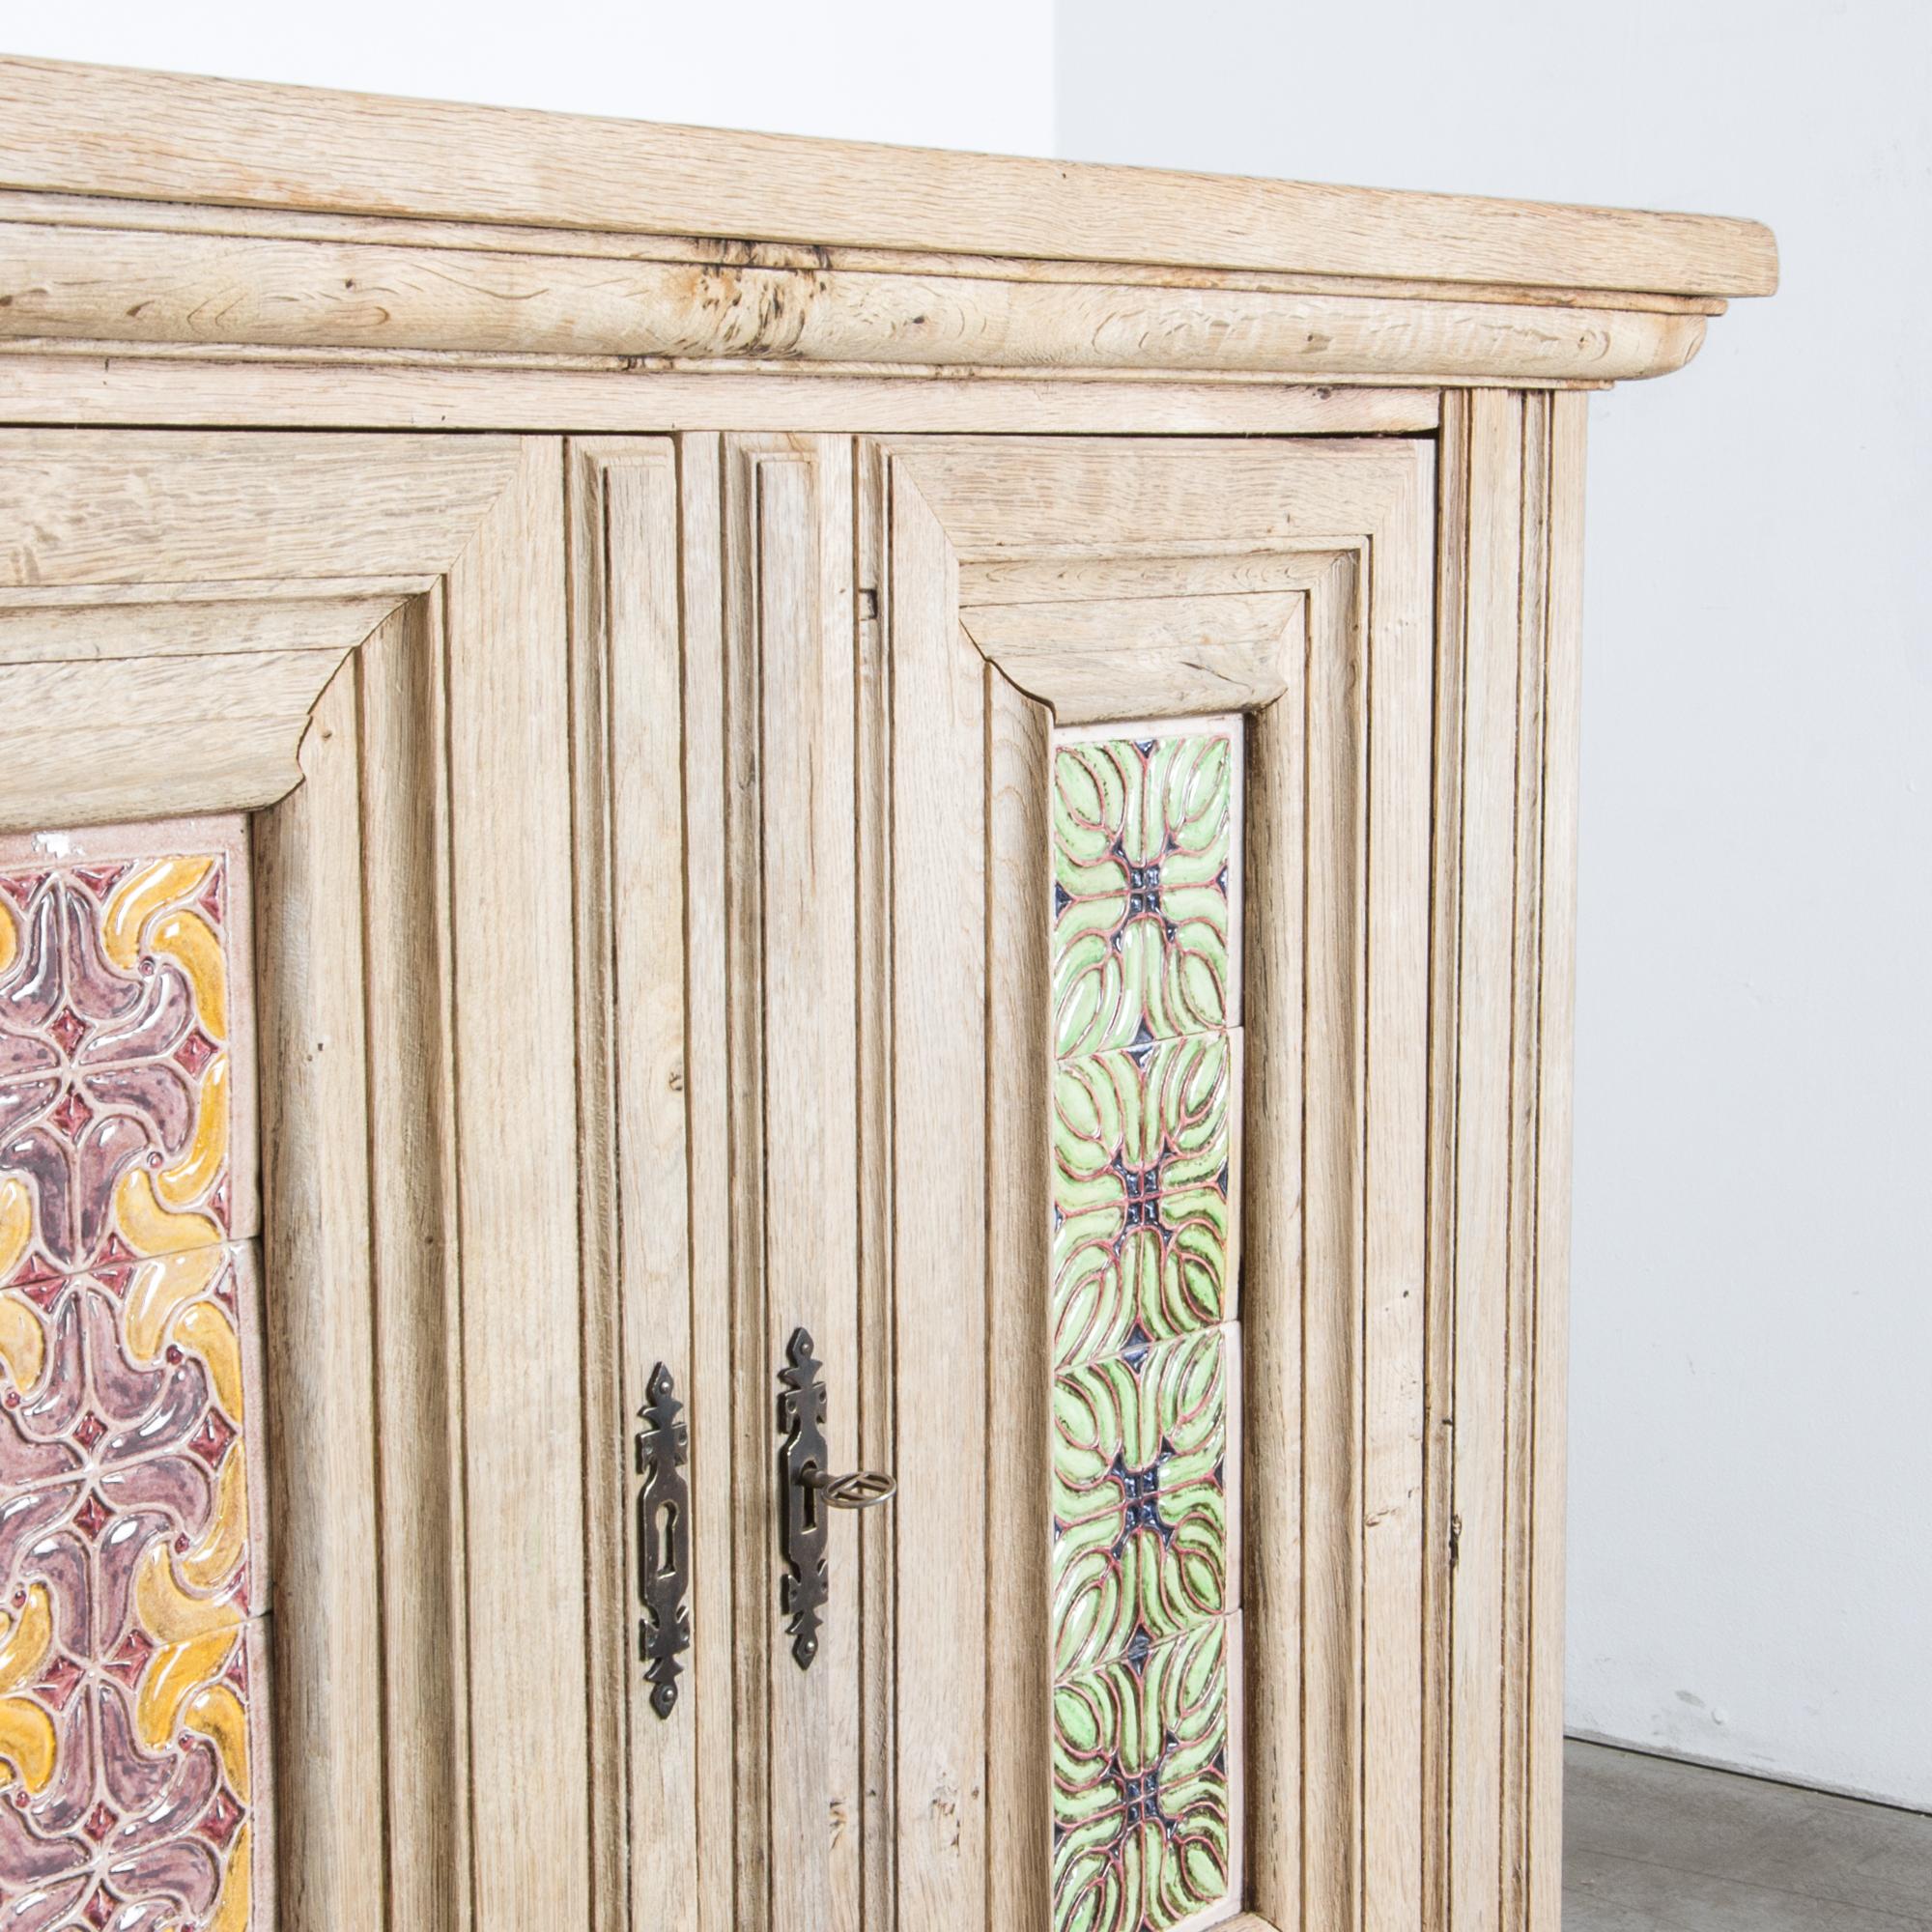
(664, 1530)
(811, 1498)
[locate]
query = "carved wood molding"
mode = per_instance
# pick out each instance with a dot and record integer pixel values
(195, 215)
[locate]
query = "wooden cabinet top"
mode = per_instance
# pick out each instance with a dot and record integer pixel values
(150, 208)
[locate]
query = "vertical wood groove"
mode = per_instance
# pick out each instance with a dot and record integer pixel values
(589, 569)
(1445, 984)
(751, 1478)
(873, 835)
(701, 632)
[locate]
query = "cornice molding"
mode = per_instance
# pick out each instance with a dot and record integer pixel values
(216, 215)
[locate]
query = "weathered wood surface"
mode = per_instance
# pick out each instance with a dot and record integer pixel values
(101, 284)
(164, 137)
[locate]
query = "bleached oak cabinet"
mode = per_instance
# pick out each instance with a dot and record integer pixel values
(786, 941)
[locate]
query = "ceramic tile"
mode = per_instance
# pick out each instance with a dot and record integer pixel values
(124, 1462)
(1143, 840)
(1144, 1509)
(1147, 1751)
(1143, 1182)
(125, 1046)
(130, 1798)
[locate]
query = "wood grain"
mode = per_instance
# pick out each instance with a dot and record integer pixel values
(1504, 916)
(510, 899)
(1002, 497)
(1482, 1162)
(1190, 655)
(756, 1652)
(1275, 936)
(1399, 654)
(257, 621)
(878, 1322)
(1556, 1003)
(112, 132)
(708, 1093)
(940, 1260)
(103, 383)
(804, 523)
(628, 816)
(127, 738)
(416, 1262)
(1518, 1431)
(102, 285)
(80, 210)
(1334, 1419)
(327, 1651)
(88, 506)
(649, 710)
(1018, 1030)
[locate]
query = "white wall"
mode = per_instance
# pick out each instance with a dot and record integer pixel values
(862, 70)
(1752, 1413)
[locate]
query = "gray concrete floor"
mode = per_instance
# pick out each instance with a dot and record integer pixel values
(1651, 1846)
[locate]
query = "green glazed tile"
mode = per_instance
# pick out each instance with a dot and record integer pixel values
(1140, 1500)
(1142, 841)
(1142, 1826)
(1141, 1193)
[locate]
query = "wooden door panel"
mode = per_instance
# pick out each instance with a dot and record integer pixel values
(715, 688)
(1288, 585)
(357, 637)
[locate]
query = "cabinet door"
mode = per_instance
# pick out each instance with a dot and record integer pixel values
(358, 640)
(1160, 731)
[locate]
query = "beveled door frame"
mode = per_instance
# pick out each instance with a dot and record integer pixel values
(359, 639)
(1217, 544)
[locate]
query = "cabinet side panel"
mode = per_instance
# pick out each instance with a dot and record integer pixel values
(1500, 1134)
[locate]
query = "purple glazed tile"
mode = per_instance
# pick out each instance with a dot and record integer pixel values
(137, 1803)
(130, 1464)
(127, 1045)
